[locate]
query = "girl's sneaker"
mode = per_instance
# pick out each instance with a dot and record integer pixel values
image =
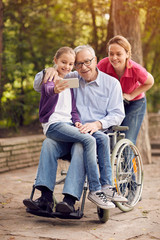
(100, 200)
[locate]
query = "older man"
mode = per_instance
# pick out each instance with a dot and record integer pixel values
(99, 103)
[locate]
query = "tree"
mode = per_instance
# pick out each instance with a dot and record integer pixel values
(126, 22)
(151, 50)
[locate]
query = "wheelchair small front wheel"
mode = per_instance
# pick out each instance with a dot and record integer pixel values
(103, 214)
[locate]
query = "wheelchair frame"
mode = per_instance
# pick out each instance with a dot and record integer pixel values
(127, 178)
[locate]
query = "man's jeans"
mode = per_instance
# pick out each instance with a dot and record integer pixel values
(52, 151)
(135, 112)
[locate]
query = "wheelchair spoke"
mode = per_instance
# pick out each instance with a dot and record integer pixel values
(128, 173)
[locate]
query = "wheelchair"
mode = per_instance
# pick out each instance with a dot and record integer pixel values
(127, 178)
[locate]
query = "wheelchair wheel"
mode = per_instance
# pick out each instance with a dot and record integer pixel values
(54, 202)
(127, 173)
(103, 214)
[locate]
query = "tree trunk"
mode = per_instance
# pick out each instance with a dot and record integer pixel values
(93, 14)
(125, 21)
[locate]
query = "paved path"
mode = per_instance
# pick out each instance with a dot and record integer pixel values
(143, 223)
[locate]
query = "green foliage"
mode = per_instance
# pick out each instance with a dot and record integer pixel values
(34, 30)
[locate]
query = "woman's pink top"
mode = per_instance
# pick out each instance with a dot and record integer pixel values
(133, 76)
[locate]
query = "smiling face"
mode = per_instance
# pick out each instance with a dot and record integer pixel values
(87, 72)
(117, 56)
(64, 63)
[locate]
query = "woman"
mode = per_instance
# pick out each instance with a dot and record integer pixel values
(134, 80)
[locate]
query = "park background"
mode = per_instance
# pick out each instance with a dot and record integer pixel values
(31, 31)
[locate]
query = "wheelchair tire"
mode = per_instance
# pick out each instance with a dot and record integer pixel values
(127, 173)
(103, 214)
(54, 202)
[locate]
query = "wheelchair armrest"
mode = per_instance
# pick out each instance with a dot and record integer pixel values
(119, 128)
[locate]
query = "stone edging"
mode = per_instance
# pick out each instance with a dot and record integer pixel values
(20, 152)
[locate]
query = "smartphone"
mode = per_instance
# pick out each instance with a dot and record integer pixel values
(72, 82)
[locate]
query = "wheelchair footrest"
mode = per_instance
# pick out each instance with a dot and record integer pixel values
(74, 215)
(40, 213)
(31, 208)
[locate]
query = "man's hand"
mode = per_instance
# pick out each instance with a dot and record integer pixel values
(90, 127)
(51, 75)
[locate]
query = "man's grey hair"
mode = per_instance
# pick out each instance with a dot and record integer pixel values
(86, 47)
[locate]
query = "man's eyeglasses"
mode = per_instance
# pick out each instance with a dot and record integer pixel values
(87, 63)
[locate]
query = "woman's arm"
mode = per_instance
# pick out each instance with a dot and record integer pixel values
(142, 88)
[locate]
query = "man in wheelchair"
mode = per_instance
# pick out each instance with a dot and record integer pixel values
(99, 103)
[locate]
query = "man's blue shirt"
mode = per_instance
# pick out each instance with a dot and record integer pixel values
(99, 100)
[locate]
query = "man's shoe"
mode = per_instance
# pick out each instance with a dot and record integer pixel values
(112, 195)
(39, 204)
(100, 200)
(64, 207)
